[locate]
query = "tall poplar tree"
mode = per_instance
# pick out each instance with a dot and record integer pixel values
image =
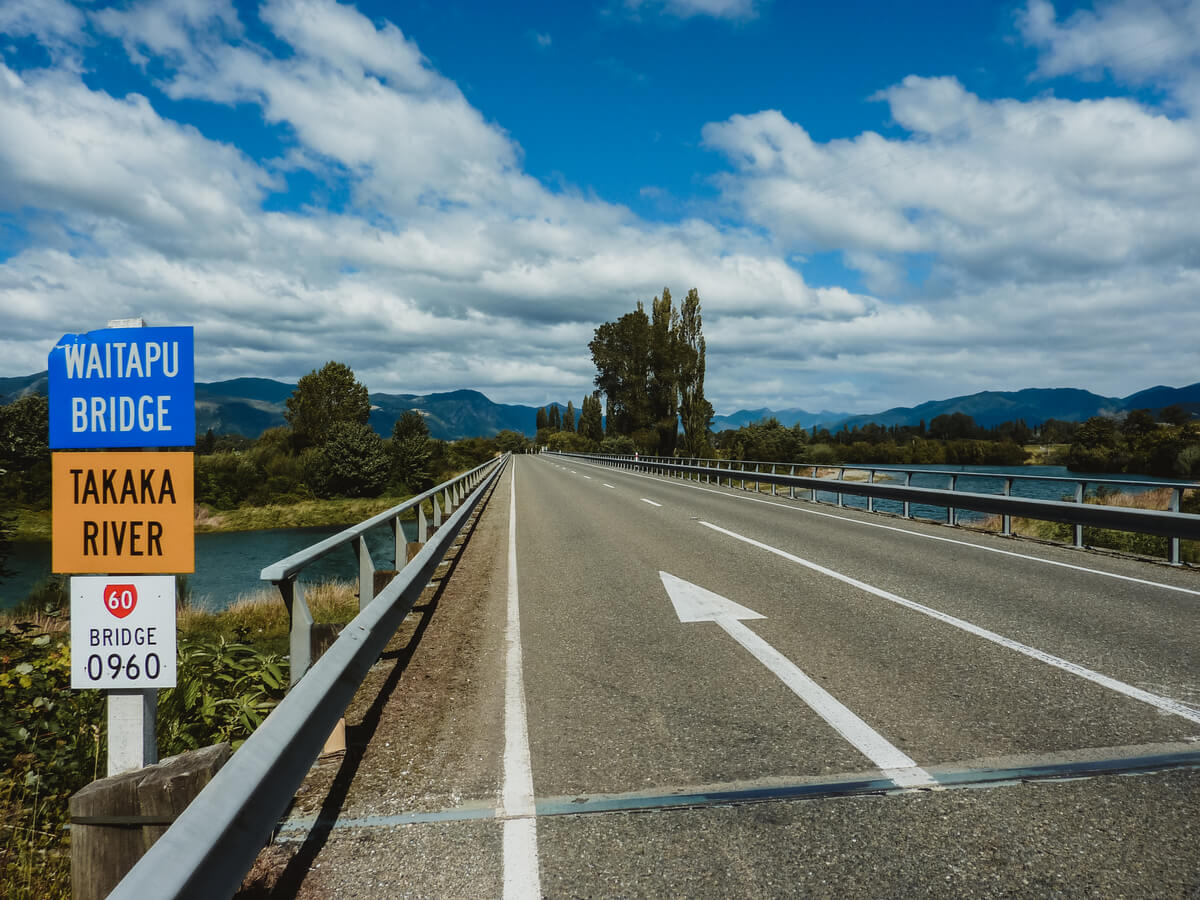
(568, 422)
(555, 423)
(591, 418)
(663, 386)
(695, 411)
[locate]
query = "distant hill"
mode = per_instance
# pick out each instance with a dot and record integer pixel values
(249, 406)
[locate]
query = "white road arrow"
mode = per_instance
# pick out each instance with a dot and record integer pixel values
(695, 604)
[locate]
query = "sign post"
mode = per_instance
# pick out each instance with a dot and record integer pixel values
(123, 517)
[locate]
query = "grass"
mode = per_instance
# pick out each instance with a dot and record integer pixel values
(342, 511)
(1147, 545)
(260, 618)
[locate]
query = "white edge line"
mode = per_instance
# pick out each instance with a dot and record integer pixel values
(651, 502)
(606, 484)
(918, 534)
(521, 875)
(1166, 704)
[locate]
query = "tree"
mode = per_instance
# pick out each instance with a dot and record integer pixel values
(509, 441)
(25, 449)
(568, 422)
(695, 411)
(555, 423)
(411, 451)
(1174, 415)
(1138, 424)
(324, 399)
(621, 354)
(591, 418)
(351, 462)
(663, 388)
(542, 420)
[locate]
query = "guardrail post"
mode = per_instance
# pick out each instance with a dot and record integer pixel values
(907, 503)
(814, 490)
(1006, 520)
(951, 512)
(300, 637)
(366, 572)
(773, 485)
(870, 500)
(437, 512)
(422, 524)
(792, 488)
(1173, 542)
(1080, 490)
(841, 477)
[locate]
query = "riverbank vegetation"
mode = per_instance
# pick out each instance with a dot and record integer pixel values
(1143, 545)
(232, 671)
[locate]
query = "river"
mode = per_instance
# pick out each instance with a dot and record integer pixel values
(227, 563)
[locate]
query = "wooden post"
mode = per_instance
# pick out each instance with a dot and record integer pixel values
(115, 820)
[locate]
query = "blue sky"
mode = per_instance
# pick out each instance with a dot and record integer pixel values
(880, 204)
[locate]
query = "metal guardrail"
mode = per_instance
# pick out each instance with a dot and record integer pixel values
(284, 574)
(211, 846)
(1169, 523)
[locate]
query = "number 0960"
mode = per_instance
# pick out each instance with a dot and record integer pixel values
(131, 666)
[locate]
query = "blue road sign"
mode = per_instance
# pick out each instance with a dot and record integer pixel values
(123, 387)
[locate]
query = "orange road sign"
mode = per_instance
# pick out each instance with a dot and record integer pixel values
(123, 512)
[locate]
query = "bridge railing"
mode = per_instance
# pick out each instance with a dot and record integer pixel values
(209, 848)
(1169, 523)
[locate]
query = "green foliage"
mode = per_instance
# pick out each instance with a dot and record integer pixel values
(1137, 445)
(542, 419)
(651, 369)
(25, 451)
(351, 462)
(618, 445)
(223, 692)
(50, 739)
(325, 399)
(695, 411)
(508, 441)
(412, 452)
(568, 418)
(591, 418)
(570, 442)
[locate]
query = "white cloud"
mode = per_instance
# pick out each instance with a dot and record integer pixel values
(57, 25)
(686, 9)
(1137, 39)
(1023, 189)
(1047, 228)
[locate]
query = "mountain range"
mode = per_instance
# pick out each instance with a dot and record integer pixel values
(249, 406)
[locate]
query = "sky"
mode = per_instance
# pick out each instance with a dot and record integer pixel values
(879, 203)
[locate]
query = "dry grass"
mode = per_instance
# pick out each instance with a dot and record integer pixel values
(1122, 541)
(261, 613)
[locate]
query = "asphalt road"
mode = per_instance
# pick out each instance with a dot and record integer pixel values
(899, 709)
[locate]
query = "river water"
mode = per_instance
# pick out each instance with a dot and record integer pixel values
(227, 563)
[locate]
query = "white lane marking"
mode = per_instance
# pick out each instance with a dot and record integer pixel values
(918, 534)
(1166, 704)
(607, 485)
(588, 477)
(521, 876)
(651, 502)
(696, 604)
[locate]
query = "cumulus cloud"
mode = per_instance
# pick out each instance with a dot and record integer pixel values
(1003, 226)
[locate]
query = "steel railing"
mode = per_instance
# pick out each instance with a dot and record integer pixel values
(1169, 523)
(214, 842)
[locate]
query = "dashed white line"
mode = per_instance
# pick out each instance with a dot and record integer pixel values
(651, 502)
(521, 877)
(918, 534)
(607, 485)
(1166, 704)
